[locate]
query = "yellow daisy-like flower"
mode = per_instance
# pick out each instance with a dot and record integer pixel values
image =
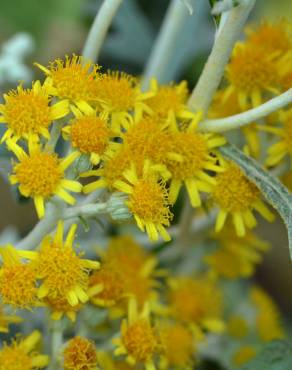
(119, 94)
(60, 306)
(236, 256)
(196, 301)
(169, 101)
(127, 270)
(18, 280)
(28, 113)
(271, 36)
(89, 133)
(195, 149)
(22, 355)
(41, 175)
(148, 200)
(178, 347)
(6, 320)
(62, 272)
(139, 341)
(80, 354)
(278, 151)
(236, 195)
(251, 72)
(237, 327)
(268, 322)
(73, 79)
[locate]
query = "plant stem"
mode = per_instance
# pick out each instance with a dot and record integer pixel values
(252, 115)
(56, 343)
(99, 29)
(165, 44)
(185, 223)
(211, 76)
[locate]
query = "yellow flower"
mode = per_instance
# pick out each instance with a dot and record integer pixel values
(73, 79)
(80, 354)
(243, 355)
(89, 133)
(63, 273)
(119, 94)
(237, 327)
(18, 280)
(148, 200)
(169, 101)
(41, 175)
(59, 306)
(28, 113)
(139, 340)
(271, 36)
(195, 150)
(178, 347)
(127, 270)
(196, 301)
(6, 320)
(236, 257)
(268, 316)
(234, 194)
(22, 355)
(278, 151)
(252, 72)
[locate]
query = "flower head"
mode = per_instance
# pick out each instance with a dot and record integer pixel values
(89, 133)
(18, 279)
(28, 114)
(73, 79)
(59, 306)
(251, 72)
(139, 338)
(62, 272)
(236, 195)
(22, 355)
(243, 355)
(41, 174)
(148, 200)
(80, 354)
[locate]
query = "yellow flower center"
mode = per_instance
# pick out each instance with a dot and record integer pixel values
(178, 345)
(73, 79)
(89, 134)
(233, 191)
(39, 174)
(61, 269)
(27, 112)
(149, 202)
(140, 340)
(194, 151)
(118, 92)
(80, 354)
(18, 285)
(250, 68)
(115, 166)
(167, 99)
(14, 358)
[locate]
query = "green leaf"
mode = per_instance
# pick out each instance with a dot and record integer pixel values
(276, 355)
(274, 192)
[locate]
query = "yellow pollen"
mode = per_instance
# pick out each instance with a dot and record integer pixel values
(61, 269)
(149, 201)
(193, 148)
(73, 79)
(39, 174)
(27, 111)
(90, 134)
(15, 358)
(18, 285)
(80, 354)
(233, 192)
(167, 99)
(251, 68)
(140, 340)
(117, 90)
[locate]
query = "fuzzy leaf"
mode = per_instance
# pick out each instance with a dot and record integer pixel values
(274, 192)
(276, 355)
